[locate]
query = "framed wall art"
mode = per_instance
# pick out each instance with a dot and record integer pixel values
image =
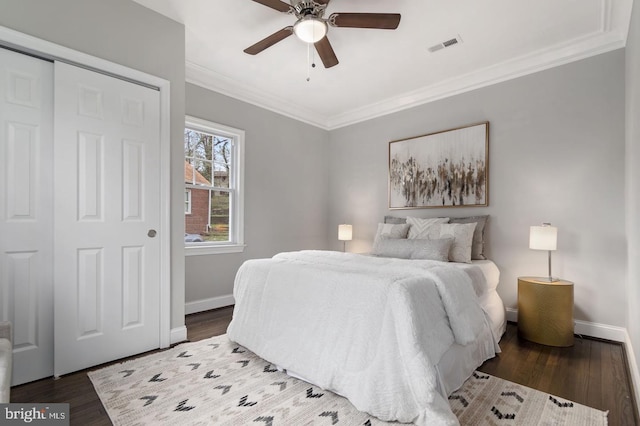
(443, 169)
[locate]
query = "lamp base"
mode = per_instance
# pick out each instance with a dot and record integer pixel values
(548, 279)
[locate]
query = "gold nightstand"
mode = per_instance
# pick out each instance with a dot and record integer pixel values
(545, 311)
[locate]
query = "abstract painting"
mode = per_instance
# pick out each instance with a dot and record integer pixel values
(449, 168)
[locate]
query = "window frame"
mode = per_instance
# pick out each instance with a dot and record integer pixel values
(236, 193)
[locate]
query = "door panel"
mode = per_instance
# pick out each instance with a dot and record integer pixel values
(107, 199)
(26, 211)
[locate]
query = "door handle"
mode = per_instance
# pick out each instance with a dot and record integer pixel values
(152, 233)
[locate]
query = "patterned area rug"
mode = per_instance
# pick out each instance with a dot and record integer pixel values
(216, 382)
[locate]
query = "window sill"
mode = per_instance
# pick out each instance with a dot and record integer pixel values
(206, 249)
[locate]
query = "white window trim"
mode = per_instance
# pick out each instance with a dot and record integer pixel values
(236, 219)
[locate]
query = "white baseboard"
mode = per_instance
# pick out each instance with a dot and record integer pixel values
(586, 328)
(208, 304)
(178, 334)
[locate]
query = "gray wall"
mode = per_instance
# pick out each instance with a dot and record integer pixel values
(633, 179)
(286, 188)
(126, 33)
(557, 147)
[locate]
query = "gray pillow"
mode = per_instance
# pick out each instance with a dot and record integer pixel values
(477, 245)
(437, 249)
(395, 220)
(389, 231)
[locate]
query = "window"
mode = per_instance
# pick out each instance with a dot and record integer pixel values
(187, 201)
(213, 170)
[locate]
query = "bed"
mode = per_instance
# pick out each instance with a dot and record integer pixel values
(393, 335)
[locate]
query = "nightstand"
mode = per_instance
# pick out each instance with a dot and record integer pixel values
(545, 311)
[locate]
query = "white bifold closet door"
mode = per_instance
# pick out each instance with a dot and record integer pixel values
(79, 212)
(26, 211)
(107, 202)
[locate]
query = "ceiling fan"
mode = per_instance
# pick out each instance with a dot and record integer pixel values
(311, 27)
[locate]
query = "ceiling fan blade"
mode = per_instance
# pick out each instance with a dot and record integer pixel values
(385, 21)
(328, 56)
(269, 41)
(278, 5)
(323, 2)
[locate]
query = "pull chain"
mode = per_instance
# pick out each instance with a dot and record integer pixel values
(310, 61)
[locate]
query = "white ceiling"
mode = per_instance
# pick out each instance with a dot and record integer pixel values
(382, 71)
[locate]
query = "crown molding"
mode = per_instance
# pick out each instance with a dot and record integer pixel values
(212, 80)
(611, 35)
(562, 54)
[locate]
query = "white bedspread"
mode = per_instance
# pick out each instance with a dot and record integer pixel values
(370, 329)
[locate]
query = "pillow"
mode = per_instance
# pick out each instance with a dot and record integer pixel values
(477, 247)
(437, 249)
(462, 234)
(425, 228)
(395, 220)
(389, 231)
(415, 249)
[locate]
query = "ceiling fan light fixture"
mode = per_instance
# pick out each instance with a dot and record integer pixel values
(310, 29)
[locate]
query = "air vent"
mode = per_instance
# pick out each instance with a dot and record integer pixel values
(446, 43)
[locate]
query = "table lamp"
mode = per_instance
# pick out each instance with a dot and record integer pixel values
(345, 233)
(544, 237)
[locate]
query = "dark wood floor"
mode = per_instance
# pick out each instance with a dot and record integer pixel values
(592, 372)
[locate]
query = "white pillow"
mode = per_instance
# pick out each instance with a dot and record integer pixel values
(414, 249)
(389, 231)
(425, 228)
(462, 234)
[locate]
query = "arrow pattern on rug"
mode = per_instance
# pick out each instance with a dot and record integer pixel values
(480, 377)
(501, 416)
(237, 350)
(460, 398)
(243, 402)
(157, 378)
(268, 369)
(122, 390)
(149, 399)
(210, 375)
(332, 414)
(182, 406)
(515, 395)
(310, 394)
(268, 420)
(225, 389)
(560, 404)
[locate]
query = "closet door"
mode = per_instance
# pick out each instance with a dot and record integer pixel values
(107, 201)
(26, 211)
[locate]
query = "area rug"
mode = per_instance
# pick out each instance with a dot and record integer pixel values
(217, 382)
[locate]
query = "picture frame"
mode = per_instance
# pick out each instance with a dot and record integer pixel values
(449, 168)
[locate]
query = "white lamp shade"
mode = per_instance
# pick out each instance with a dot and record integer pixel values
(345, 232)
(543, 237)
(310, 30)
